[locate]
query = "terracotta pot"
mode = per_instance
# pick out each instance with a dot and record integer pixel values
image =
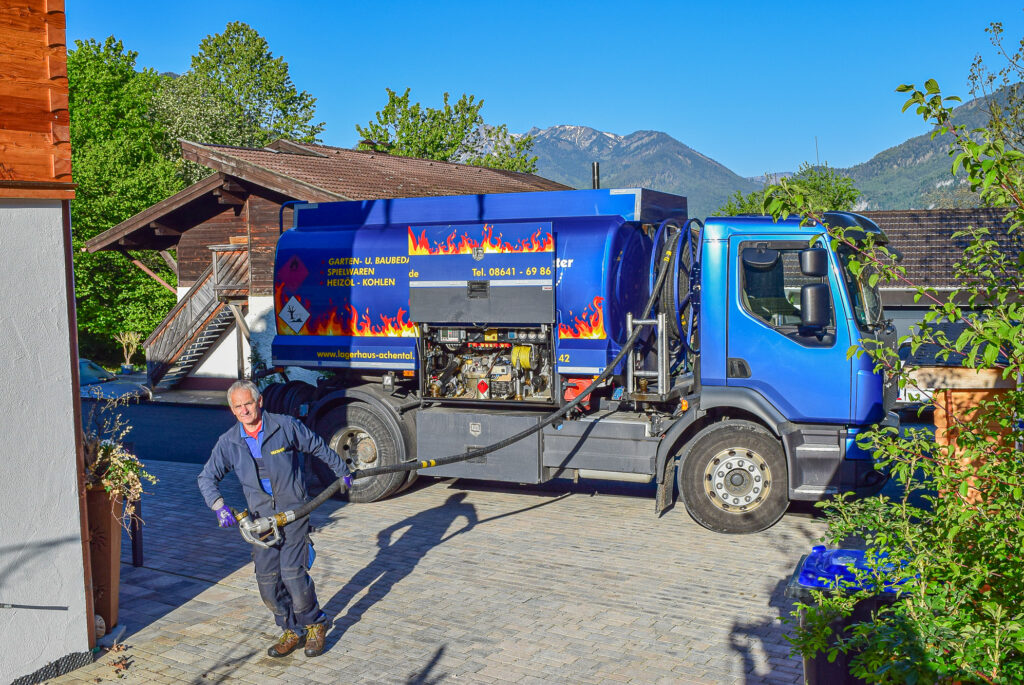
(105, 552)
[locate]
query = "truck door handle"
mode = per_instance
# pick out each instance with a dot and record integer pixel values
(737, 368)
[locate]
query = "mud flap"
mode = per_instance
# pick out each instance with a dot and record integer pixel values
(663, 497)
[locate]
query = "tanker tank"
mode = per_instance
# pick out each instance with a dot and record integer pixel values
(488, 297)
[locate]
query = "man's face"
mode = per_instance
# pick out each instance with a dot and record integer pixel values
(245, 408)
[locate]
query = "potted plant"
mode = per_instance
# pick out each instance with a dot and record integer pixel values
(130, 341)
(114, 479)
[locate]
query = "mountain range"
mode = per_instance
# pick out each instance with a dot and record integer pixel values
(911, 175)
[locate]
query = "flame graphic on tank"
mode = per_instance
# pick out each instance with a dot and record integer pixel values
(540, 241)
(354, 324)
(351, 323)
(587, 326)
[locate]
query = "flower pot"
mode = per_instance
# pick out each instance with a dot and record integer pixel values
(105, 552)
(126, 369)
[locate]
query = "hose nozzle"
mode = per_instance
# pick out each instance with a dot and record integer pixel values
(262, 532)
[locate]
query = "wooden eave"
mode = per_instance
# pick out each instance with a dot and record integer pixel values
(145, 227)
(220, 159)
(54, 190)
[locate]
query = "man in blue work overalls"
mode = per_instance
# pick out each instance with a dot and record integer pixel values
(266, 452)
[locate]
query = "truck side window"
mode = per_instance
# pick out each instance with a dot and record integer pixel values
(770, 282)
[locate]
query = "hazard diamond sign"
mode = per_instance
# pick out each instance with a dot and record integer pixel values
(294, 314)
(293, 273)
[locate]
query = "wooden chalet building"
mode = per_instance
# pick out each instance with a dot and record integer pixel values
(224, 231)
(926, 237)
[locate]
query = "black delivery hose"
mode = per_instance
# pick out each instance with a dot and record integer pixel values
(413, 465)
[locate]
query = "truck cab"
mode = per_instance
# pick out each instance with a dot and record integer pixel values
(780, 311)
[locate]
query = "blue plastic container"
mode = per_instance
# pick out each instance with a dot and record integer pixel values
(831, 570)
(835, 569)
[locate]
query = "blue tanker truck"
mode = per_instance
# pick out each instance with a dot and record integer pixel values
(592, 333)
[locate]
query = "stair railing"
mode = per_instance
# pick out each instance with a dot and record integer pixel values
(227, 278)
(180, 326)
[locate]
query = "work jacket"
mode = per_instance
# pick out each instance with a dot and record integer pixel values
(286, 442)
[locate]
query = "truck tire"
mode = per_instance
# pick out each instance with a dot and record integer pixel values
(410, 478)
(733, 479)
(363, 440)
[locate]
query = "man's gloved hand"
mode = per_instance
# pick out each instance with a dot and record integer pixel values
(225, 519)
(346, 483)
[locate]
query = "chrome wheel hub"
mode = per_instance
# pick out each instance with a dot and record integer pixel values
(737, 480)
(355, 446)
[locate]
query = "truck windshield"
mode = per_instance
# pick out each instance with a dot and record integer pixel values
(865, 299)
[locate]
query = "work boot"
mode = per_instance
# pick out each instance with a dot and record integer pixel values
(286, 644)
(315, 635)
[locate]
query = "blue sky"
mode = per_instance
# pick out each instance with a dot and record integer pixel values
(749, 84)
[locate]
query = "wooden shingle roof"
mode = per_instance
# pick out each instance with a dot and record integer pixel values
(926, 239)
(356, 175)
(309, 172)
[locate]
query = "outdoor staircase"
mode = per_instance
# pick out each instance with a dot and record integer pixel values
(191, 355)
(199, 320)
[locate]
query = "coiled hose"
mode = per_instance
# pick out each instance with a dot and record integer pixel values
(413, 465)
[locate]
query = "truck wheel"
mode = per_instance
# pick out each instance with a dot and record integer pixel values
(409, 480)
(364, 441)
(733, 479)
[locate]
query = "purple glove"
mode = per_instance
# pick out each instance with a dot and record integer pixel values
(346, 483)
(225, 519)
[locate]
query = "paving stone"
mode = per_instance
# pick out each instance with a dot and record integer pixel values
(492, 589)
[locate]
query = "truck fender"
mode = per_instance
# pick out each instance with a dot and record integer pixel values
(712, 397)
(745, 399)
(666, 449)
(385, 409)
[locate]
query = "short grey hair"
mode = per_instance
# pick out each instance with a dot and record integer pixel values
(244, 385)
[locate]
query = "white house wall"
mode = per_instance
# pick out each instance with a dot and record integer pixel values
(41, 560)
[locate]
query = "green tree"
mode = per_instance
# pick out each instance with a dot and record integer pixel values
(189, 110)
(1002, 90)
(120, 163)
(238, 66)
(739, 203)
(957, 559)
(825, 186)
(235, 93)
(452, 133)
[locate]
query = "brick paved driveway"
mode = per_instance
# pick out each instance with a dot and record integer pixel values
(462, 582)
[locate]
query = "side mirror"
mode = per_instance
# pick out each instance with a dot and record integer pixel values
(814, 262)
(815, 306)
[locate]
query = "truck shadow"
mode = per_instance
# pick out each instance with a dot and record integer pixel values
(396, 558)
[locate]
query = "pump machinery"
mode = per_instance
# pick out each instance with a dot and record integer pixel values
(593, 333)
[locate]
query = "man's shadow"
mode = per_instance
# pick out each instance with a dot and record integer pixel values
(396, 560)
